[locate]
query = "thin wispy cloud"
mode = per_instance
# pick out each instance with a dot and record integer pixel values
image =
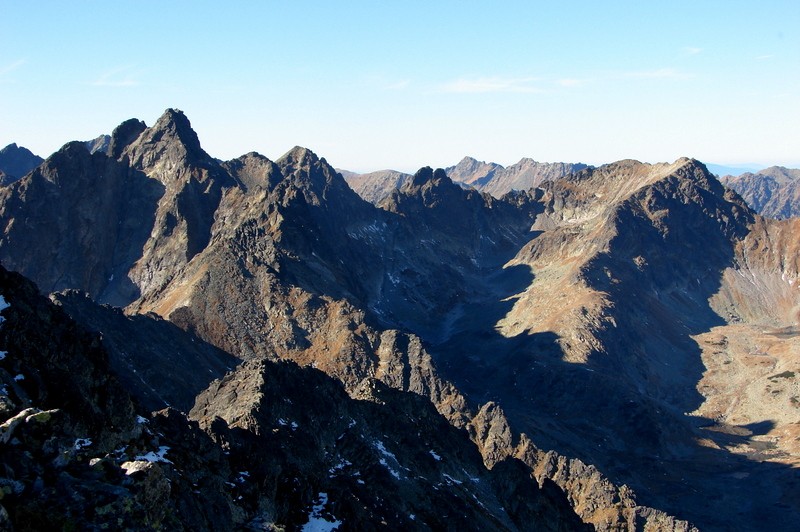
(660, 73)
(691, 50)
(491, 85)
(571, 82)
(764, 57)
(398, 86)
(6, 69)
(124, 76)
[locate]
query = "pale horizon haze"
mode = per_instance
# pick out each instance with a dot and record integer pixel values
(401, 85)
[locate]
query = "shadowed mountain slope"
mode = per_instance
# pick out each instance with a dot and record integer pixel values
(15, 162)
(582, 327)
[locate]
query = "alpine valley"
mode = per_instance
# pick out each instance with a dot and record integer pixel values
(195, 344)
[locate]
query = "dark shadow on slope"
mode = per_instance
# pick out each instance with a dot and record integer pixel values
(89, 217)
(389, 452)
(623, 411)
(159, 363)
(137, 207)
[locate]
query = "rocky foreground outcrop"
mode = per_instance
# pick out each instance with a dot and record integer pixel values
(269, 445)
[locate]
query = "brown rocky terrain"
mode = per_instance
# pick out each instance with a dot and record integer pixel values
(375, 186)
(497, 180)
(773, 192)
(581, 328)
(491, 178)
(263, 452)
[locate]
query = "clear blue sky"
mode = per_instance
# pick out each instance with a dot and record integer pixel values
(378, 84)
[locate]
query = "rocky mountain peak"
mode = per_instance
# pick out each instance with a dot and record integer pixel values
(253, 170)
(298, 158)
(170, 140)
(174, 123)
(16, 161)
(473, 172)
(123, 135)
(772, 192)
(303, 170)
(427, 178)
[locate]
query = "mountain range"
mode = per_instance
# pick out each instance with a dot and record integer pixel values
(15, 162)
(773, 191)
(612, 348)
(491, 178)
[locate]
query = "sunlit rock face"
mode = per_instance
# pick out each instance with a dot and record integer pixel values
(625, 334)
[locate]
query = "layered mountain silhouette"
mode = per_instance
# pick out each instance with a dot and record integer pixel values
(772, 192)
(15, 162)
(498, 180)
(625, 335)
(491, 178)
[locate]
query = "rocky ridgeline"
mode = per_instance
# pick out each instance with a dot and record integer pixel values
(15, 162)
(557, 328)
(256, 449)
(772, 192)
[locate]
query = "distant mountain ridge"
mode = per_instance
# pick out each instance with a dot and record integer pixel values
(773, 191)
(375, 186)
(15, 162)
(496, 180)
(491, 178)
(626, 333)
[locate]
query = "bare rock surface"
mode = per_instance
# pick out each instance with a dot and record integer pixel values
(15, 162)
(625, 333)
(773, 192)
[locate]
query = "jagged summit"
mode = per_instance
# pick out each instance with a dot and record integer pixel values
(568, 325)
(253, 170)
(497, 180)
(123, 135)
(171, 138)
(16, 161)
(773, 191)
(299, 155)
(304, 170)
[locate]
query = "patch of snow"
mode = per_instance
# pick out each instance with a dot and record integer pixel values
(352, 423)
(157, 456)
(451, 480)
(412, 517)
(316, 521)
(81, 443)
(3, 354)
(141, 420)
(111, 278)
(385, 464)
(3, 305)
(19, 377)
(338, 467)
(387, 454)
(473, 479)
(359, 481)
(294, 425)
(282, 422)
